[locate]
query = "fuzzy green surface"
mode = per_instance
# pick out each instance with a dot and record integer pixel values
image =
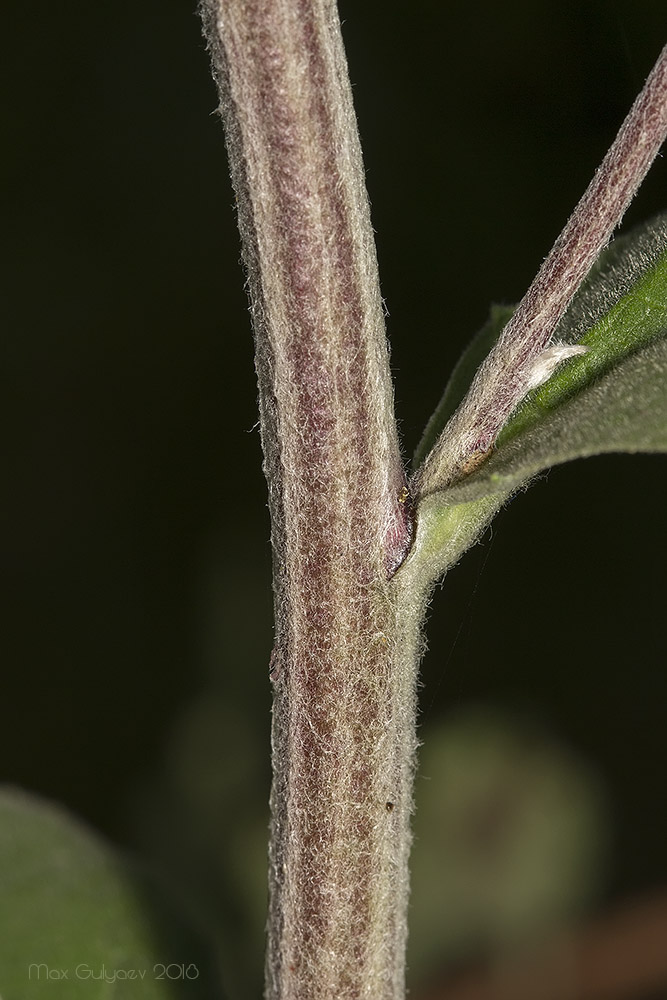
(444, 531)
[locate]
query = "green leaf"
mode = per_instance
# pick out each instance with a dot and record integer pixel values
(79, 921)
(623, 411)
(621, 305)
(611, 399)
(638, 318)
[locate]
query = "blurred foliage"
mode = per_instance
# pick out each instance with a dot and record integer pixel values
(510, 838)
(78, 920)
(135, 552)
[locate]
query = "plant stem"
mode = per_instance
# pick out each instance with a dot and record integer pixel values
(521, 358)
(343, 719)
(347, 623)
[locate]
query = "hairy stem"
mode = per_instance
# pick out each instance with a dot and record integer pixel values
(347, 623)
(343, 720)
(522, 359)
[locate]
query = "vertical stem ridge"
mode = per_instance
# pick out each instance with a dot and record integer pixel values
(342, 757)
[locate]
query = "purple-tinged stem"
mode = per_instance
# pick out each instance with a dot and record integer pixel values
(520, 360)
(343, 720)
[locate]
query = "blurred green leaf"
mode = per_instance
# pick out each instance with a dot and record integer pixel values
(80, 921)
(512, 830)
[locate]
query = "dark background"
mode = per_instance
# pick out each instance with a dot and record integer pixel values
(135, 543)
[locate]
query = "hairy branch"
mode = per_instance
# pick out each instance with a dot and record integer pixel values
(524, 356)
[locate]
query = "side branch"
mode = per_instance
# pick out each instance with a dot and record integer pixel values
(522, 358)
